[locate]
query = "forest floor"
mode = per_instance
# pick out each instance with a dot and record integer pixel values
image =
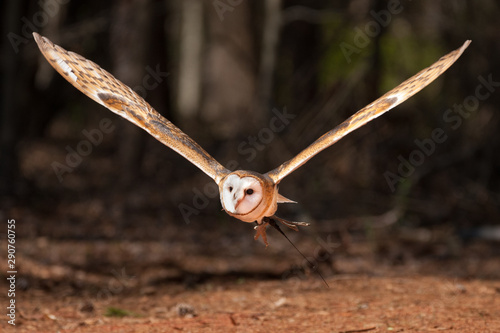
(181, 286)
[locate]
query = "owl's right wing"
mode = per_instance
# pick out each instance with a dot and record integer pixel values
(106, 90)
(388, 101)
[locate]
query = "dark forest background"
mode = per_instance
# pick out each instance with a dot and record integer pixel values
(223, 71)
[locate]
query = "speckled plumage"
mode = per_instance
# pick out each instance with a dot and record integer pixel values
(106, 90)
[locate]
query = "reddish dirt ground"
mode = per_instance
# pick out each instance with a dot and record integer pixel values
(58, 291)
(352, 304)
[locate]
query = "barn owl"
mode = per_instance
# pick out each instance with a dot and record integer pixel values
(246, 195)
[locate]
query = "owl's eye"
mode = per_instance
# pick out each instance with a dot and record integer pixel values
(249, 191)
(230, 189)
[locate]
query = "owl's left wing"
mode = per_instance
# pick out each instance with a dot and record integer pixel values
(106, 90)
(388, 101)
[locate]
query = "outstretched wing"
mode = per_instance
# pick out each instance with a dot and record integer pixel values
(391, 99)
(106, 90)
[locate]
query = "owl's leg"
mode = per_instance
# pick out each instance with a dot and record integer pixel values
(290, 224)
(261, 230)
(262, 226)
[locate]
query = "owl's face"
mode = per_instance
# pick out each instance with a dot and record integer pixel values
(247, 196)
(241, 195)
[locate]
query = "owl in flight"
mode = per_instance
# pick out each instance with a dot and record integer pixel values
(246, 195)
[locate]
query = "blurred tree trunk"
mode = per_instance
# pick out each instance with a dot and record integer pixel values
(190, 57)
(368, 150)
(229, 106)
(270, 40)
(9, 114)
(129, 38)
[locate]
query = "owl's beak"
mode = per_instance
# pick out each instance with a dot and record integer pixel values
(238, 200)
(238, 203)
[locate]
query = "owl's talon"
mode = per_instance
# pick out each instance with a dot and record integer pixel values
(261, 232)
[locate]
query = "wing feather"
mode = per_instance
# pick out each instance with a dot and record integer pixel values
(106, 90)
(388, 101)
